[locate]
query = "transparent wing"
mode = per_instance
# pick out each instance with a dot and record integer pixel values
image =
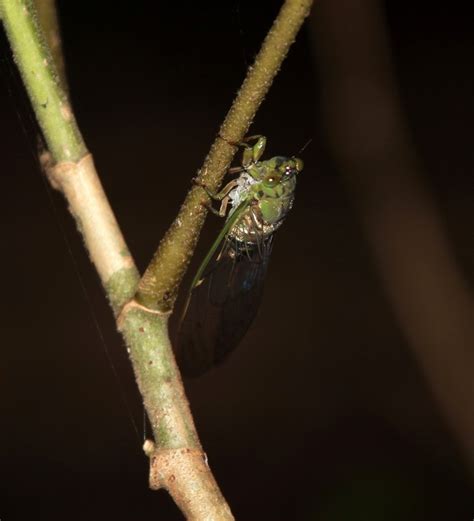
(223, 305)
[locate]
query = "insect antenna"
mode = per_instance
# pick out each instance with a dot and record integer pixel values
(303, 148)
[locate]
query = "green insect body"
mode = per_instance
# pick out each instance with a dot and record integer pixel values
(269, 188)
(226, 290)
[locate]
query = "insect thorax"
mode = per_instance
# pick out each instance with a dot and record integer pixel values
(251, 227)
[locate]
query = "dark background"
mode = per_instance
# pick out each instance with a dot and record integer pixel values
(322, 412)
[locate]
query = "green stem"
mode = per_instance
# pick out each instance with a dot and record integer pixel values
(37, 68)
(178, 463)
(147, 337)
(159, 285)
(48, 19)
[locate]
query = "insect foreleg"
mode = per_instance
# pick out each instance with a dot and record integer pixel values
(252, 153)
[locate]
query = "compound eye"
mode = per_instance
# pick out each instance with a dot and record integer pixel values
(299, 164)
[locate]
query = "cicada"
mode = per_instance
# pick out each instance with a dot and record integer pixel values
(226, 291)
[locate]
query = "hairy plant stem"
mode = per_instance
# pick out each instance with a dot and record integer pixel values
(183, 470)
(49, 99)
(48, 21)
(159, 285)
(177, 461)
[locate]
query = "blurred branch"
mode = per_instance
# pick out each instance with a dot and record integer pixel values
(159, 285)
(370, 141)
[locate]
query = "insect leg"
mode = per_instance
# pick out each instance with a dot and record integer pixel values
(251, 153)
(208, 206)
(217, 196)
(222, 196)
(226, 190)
(223, 208)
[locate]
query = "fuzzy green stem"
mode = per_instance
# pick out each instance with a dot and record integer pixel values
(177, 460)
(178, 463)
(37, 68)
(146, 335)
(159, 285)
(48, 19)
